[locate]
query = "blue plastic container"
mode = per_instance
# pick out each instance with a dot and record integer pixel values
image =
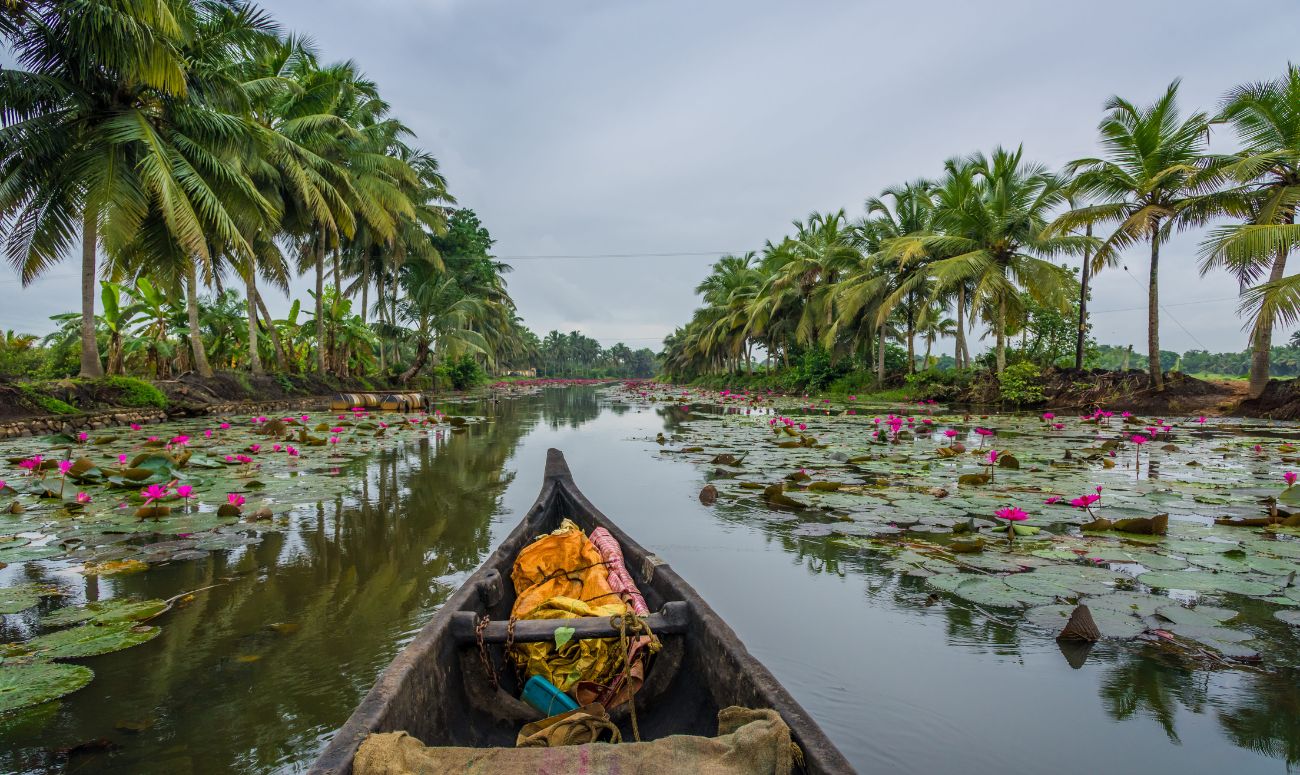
(546, 697)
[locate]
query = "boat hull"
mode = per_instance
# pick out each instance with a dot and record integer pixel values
(438, 690)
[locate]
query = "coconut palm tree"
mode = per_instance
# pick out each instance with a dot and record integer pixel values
(1148, 184)
(1265, 117)
(73, 110)
(989, 227)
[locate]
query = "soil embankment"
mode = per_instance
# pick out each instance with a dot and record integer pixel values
(1084, 389)
(1279, 401)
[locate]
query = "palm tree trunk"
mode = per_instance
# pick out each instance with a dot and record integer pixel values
(880, 355)
(334, 314)
(115, 365)
(1262, 336)
(1084, 276)
(961, 327)
(1153, 312)
(421, 357)
(911, 339)
(254, 357)
(379, 297)
(90, 364)
(1001, 327)
(929, 343)
(281, 357)
(192, 313)
(320, 305)
(365, 290)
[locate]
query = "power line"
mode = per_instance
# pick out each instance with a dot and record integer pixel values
(1168, 313)
(1162, 306)
(563, 256)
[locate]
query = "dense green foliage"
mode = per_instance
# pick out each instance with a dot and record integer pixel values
(196, 146)
(980, 246)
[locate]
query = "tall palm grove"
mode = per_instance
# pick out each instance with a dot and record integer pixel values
(1007, 247)
(193, 156)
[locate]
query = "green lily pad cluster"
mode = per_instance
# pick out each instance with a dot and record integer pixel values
(174, 491)
(1191, 537)
(30, 670)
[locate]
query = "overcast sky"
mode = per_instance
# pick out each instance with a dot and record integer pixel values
(580, 128)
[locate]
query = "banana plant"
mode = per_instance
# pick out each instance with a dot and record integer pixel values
(116, 318)
(154, 328)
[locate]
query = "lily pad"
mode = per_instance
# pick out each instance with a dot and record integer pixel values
(87, 640)
(1204, 581)
(104, 612)
(23, 596)
(986, 590)
(24, 685)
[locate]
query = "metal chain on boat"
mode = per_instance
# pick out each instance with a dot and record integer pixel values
(630, 625)
(482, 650)
(510, 642)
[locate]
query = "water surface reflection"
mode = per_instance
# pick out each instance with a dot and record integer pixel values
(255, 673)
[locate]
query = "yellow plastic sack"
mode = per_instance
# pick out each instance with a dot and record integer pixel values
(561, 576)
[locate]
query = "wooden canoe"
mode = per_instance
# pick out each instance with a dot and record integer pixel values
(438, 691)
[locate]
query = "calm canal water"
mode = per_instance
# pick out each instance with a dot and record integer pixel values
(256, 673)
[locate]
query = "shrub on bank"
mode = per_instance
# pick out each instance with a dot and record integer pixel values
(134, 392)
(33, 395)
(1021, 384)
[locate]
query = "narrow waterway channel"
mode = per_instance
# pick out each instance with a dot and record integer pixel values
(255, 673)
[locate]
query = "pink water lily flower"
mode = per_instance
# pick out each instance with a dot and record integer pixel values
(950, 433)
(1201, 419)
(276, 448)
(32, 463)
(1289, 477)
(121, 460)
(293, 451)
(207, 433)
(83, 437)
(243, 459)
(992, 457)
(83, 497)
(1011, 514)
(1053, 499)
(336, 430)
(1139, 439)
(803, 426)
(984, 431)
(225, 426)
(65, 466)
(334, 439)
(235, 499)
(254, 448)
(1049, 416)
(304, 418)
(154, 492)
(184, 491)
(180, 440)
(1084, 501)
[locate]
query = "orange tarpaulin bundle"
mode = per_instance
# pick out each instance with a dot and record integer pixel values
(562, 575)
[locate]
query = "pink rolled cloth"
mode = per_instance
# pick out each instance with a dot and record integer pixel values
(619, 579)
